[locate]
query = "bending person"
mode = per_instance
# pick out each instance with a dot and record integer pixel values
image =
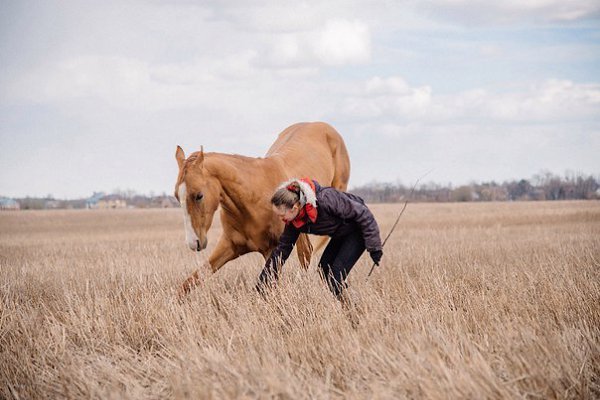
(307, 207)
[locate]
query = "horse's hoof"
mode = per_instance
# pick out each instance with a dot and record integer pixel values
(187, 286)
(183, 290)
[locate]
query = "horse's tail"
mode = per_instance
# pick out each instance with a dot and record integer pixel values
(321, 242)
(341, 164)
(304, 249)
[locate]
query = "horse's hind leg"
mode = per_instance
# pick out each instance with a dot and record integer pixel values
(341, 167)
(304, 248)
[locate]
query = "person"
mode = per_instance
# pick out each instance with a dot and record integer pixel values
(307, 207)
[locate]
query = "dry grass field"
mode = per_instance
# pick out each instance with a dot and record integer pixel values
(494, 300)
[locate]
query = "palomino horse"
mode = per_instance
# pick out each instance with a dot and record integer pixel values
(243, 187)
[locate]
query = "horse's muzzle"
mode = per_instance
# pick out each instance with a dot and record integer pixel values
(201, 245)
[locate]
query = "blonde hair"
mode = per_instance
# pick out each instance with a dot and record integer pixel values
(287, 196)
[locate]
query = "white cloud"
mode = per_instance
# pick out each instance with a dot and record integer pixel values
(286, 50)
(273, 16)
(391, 85)
(128, 83)
(469, 150)
(490, 51)
(388, 97)
(476, 134)
(510, 11)
(343, 42)
(337, 43)
(545, 102)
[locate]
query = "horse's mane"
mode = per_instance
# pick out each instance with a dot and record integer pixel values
(191, 159)
(221, 157)
(188, 162)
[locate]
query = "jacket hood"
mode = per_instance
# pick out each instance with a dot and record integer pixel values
(307, 194)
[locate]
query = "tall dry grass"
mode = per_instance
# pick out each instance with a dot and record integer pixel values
(471, 301)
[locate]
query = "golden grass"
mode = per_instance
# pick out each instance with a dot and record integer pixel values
(494, 300)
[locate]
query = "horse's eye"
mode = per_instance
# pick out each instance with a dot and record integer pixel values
(199, 196)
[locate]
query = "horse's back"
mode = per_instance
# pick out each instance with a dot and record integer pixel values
(313, 149)
(303, 135)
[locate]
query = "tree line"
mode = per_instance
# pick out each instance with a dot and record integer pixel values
(542, 186)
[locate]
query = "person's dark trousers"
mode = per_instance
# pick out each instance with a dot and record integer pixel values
(339, 257)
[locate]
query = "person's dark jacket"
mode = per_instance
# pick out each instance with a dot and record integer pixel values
(338, 214)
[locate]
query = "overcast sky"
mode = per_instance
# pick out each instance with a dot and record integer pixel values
(97, 95)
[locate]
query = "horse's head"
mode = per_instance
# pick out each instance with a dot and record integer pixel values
(198, 193)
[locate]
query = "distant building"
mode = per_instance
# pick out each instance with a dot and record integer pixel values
(112, 201)
(52, 204)
(92, 202)
(9, 204)
(102, 201)
(165, 202)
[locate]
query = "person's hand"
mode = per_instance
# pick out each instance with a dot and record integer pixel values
(376, 256)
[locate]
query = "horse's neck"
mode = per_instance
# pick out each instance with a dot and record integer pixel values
(235, 174)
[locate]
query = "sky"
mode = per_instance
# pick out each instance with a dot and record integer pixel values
(95, 96)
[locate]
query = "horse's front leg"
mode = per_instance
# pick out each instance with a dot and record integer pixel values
(224, 252)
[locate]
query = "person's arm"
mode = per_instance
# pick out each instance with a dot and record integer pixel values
(273, 265)
(348, 209)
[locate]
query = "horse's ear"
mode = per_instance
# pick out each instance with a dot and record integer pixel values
(200, 158)
(180, 157)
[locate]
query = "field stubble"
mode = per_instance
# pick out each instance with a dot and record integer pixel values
(495, 300)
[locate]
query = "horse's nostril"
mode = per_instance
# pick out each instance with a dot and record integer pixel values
(197, 245)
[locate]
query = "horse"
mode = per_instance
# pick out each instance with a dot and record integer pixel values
(243, 186)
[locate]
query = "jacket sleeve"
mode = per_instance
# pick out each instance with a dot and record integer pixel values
(287, 240)
(344, 207)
